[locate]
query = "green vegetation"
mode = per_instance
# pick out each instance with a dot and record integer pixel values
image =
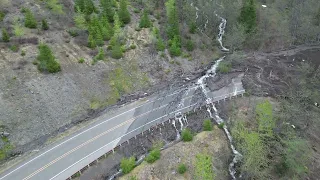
(182, 168)
(5, 151)
(248, 16)
(265, 118)
(192, 27)
(145, 21)
(153, 156)
(221, 125)
(85, 6)
(73, 32)
(44, 25)
(186, 135)
(29, 19)
(127, 164)
(23, 53)
(116, 52)
(18, 29)
(123, 13)
(207, 125)
(80, 20)
(190, 45)
(107, 10)
(2, 15)
(173, 30)
(99, 56)
(14, 48)
(5, 35)
(224, 67)
(46, 60)
(133, 178)
(81, 60)
(55, 6)
(203, 167)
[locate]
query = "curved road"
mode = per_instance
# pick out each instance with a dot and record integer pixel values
(64, 158)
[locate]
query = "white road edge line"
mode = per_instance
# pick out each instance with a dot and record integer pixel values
(80, 134)
(118, 139)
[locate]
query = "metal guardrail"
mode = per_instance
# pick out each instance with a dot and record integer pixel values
(112, 150)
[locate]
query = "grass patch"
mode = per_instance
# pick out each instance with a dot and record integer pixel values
(6, 149)
(2, 15)
(207, 125)
(224, 67)
(153, 156)
(55, 6)
(203, 167)
(186, 135)
(127, 164)
(73, 32)
(182, 168)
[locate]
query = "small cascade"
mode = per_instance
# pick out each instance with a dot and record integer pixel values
(237, 155)
(174, 125)
(222, 28)
(185, 120)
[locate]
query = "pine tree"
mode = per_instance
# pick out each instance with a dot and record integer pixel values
(107, 10)
(145, 21)
(47, 60)
(44, 24)
(91, 41)
(5, 35)
(248, 17)
(107, 31)
(124, 14)
(175, 47)
(30, 21)
(116, 52)
(116, 30)
(79, 6)
(173, 22)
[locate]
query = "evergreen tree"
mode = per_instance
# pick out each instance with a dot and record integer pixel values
(89, 7)
(116, 51)
(107, 31)
(47, 60)
(91, 41)
(173, 21)
(248, 17)
(30, 21)
(79, 5)
(175, 47)
(160, 44)
(116, 30)
(124, 14)
(5, 35)
(145, 21)
(44, 24)
(107, 10)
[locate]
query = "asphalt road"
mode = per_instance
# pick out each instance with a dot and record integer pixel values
(66, 157)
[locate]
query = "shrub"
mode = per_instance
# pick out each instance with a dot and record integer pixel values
(55, 6)
(127, 164)
(5, 35)
(124, 14)
(161, 45)
(23, 53)
(46, 60)
(221, 125)
(224, 67)
(207, 125)
(116, 52)
(81, 60)
(174, 49)
(153, 156)
(73, 32)
(99, 56)
(182, 168)
(18, 30)
(192, 27)
(186, 135)
(2, 15)
(44, 24)
(133, 46)
(145, 21)
(190, 45)
(14, 48)
(29, 21)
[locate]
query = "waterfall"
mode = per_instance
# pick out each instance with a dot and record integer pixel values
(222, 28)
